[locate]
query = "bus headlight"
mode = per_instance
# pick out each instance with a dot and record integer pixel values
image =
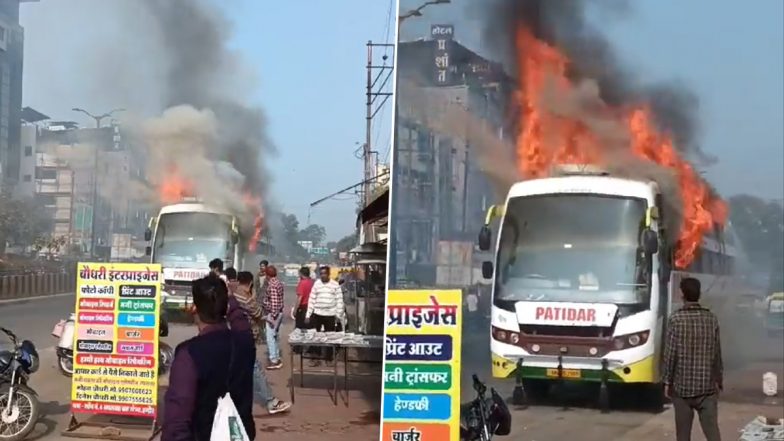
(504, 336)
(630, 340)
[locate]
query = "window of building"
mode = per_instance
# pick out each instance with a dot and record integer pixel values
(45, 173)
(27, 178)
(28, 150)
(45, 199)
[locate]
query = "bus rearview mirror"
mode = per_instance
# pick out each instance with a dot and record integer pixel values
(650, 241)
(148, 251)
(484, 238)
(487, 270)
(148, 235)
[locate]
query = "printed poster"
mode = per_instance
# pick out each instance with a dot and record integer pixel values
(116, 339)
(422, 366)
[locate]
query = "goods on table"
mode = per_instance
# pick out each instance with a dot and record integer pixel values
(340, 338)
(763, 429)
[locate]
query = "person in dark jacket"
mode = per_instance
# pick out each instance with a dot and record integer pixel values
(218, 360)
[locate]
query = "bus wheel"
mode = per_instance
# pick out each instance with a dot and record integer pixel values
(537, 390)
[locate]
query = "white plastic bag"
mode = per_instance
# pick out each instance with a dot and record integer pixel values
(770, 384)
(227, 425)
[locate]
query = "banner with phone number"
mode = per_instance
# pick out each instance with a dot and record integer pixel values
(422, 366)
(116, 339)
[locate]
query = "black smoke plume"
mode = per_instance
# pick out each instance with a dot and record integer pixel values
(202, 73)
(564, 24)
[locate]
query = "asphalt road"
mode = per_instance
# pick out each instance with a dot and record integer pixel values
(572, 413)
(33, 320)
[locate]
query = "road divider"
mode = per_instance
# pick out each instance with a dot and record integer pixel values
(22, 286)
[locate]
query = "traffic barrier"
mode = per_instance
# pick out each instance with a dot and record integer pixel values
(33, 285)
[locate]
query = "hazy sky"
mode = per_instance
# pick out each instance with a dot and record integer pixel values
(311, 56)
(303, 63)
(730, 53)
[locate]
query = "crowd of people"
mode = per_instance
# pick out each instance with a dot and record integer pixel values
(234, 317)
(234, 313)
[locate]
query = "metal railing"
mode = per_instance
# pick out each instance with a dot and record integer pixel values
(19, 285)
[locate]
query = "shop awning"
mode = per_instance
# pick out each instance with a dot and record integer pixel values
(377, 209)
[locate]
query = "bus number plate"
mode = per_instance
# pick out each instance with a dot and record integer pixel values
(567, 373)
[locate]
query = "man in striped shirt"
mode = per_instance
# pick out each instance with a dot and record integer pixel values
(325, 306)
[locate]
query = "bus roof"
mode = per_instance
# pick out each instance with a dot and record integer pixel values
(591, 184)
(192, 207)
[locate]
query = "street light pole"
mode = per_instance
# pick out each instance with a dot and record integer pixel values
(98, 120)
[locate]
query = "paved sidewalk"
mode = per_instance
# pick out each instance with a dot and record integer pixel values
(312, 418)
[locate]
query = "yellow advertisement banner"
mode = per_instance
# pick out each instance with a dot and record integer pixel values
(116, 339)
(422, 365)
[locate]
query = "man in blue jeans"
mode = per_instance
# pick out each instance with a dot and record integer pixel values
(272, 302)
(246, 298)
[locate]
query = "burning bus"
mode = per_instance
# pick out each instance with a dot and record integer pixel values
(585, 277)
(184, 237)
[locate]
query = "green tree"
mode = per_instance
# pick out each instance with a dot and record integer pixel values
(759, 224)
(21, 221)
(346, 243)
(290, 227)
(52, 244)
(314, 233)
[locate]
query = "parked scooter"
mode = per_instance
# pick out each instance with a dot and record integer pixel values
(64, 331)
(19, 405)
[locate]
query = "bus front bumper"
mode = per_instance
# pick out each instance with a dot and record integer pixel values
(542, 367)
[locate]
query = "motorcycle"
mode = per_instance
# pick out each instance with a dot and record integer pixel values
(19, 405)
(64, 331)
(484, 417)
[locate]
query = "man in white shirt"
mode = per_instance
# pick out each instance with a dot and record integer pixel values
(325, 307)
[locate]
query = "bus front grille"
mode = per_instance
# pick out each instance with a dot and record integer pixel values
(567, 331)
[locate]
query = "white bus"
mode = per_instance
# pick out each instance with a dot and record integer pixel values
(583, 281)
(184, 238)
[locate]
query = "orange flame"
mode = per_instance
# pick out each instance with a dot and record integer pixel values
(546, 140)
(174, 187)
(255, 205)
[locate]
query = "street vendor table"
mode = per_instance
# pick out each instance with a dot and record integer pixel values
(340, 352)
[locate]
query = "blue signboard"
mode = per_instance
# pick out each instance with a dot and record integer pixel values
(418, 407)
(418, 347)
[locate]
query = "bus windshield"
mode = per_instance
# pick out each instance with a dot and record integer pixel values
(572, 248)
(188, 240)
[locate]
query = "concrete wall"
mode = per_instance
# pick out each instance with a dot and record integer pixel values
(31, 285)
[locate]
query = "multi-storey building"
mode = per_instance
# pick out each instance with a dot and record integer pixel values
(83, 176)
(440, 193)
(11, 63)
